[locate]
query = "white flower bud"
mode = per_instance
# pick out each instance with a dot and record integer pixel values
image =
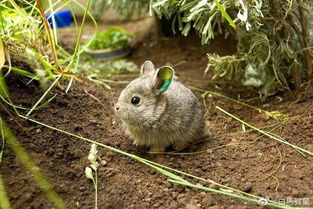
(88, 173)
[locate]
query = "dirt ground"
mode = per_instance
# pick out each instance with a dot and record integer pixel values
(263, 167)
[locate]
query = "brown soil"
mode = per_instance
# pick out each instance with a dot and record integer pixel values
(263, 167)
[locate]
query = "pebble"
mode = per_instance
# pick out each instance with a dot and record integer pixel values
(152, 171)
(138, 181)
(167, 184)
(248, 187)
(103, 162)
(180, 196)
(207, 200)
(82, 188)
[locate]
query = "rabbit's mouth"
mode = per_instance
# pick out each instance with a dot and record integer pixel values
(124, 116)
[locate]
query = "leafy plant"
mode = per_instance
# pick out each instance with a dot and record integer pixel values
(25, 37)
(114, 37)
(98, 71)
(274, 38)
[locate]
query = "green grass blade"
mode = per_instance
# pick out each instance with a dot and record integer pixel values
(44, 95)
(4, 200)
(3, 87)
(161, 168)
(280, 139)
(24, 73)
(225, 14)
(276, 205)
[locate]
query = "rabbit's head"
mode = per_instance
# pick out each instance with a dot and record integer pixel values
(139, 102)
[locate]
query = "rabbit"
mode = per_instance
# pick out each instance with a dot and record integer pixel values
(158, 111)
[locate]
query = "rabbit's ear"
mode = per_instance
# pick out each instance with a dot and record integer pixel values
(163, 79)
(147, 68)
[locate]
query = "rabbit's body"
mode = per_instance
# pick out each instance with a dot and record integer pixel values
(173, 116)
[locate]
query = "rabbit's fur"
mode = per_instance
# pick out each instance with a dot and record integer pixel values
(167, 114)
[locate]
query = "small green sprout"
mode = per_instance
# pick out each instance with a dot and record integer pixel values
(93, 159)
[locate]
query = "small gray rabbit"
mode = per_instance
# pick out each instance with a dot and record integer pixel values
(158, 111)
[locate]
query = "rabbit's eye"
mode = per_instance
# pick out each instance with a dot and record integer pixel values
(135, 100)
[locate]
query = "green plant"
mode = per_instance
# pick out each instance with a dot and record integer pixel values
(275, 42)
(25, 37)
(4, 200)
(29, 164)
(98, 71)
(112, 38)
(93, 168)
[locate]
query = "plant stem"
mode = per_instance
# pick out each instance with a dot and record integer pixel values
(226, 97)
(142, 160)
(4, 200)
(96, 189)
(25, 159)
(44, 95)
(48, 30)
(264, 132)
(80, 33)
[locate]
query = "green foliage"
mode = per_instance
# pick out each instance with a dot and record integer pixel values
(114, 37)
(4, 200)
(98, 71)
(274, 38)
(270, 55)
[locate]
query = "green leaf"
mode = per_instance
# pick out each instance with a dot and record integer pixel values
(3, 87)
(224, 13)
(25, 73)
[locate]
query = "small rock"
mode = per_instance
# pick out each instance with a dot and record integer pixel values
(93, 121)
(180, 196)
(82, 188)
(38, 131)
(152, 171)
(179, 188)
(167, 184)
(248, 187)
(138, 181)
(207, 200)
(156, 205)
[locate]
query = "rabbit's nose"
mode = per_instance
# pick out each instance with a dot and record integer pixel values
(117, 107)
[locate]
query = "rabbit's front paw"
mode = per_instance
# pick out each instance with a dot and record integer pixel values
(157, 148)
(136, 143)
